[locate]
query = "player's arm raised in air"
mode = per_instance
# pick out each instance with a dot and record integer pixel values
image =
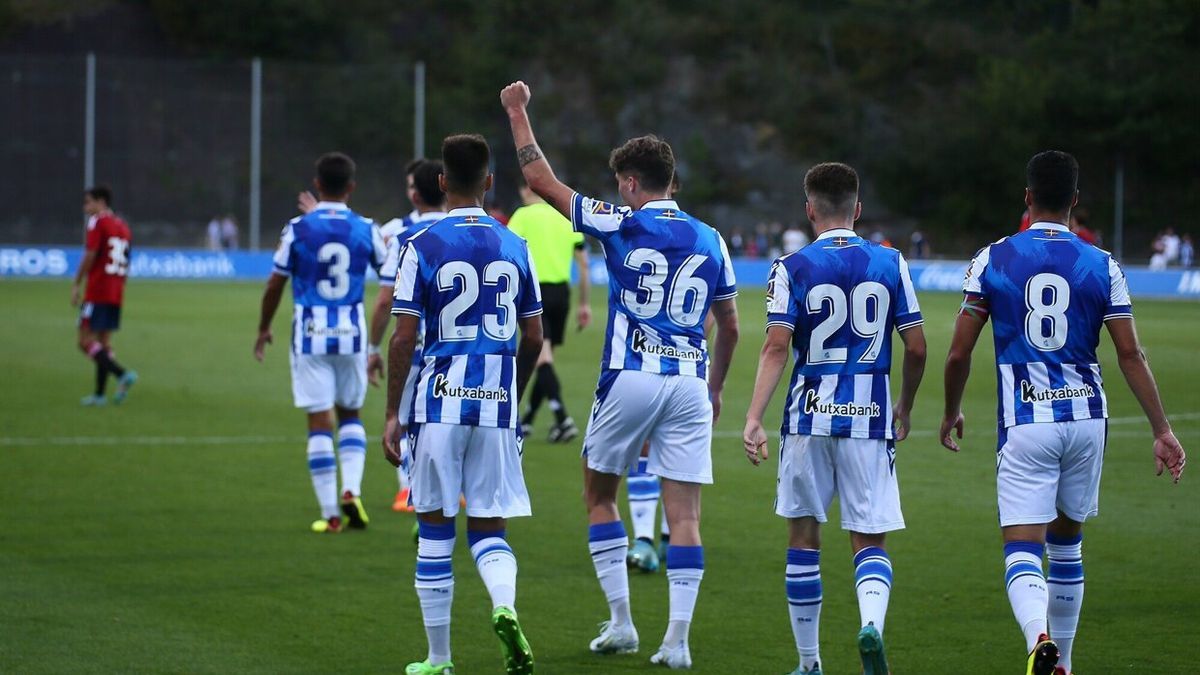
(1135, 367)
(536, 169)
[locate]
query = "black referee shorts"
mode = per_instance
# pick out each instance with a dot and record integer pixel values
(556, 305)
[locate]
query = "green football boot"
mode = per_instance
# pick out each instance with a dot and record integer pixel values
(518, 657)
(870, 648)
(425, 668)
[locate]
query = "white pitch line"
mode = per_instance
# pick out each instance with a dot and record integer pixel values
(26, 441)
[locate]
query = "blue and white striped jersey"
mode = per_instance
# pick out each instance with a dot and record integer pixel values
(469, 279)
(1048, 294)
(326, 253)
(841, 296)
(665, 269)
(396, 238)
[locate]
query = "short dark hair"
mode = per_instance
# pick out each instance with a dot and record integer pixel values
(335, 171)
(411, 167)
(100, 192)
(649, 158)
(465, 159)
(1053, 179)
(425, 180)
(832, 188)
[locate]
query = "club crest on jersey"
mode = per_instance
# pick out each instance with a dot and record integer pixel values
(603, 209)
(814, 406)
(641, 344)
(443, 389)
(1031, 393)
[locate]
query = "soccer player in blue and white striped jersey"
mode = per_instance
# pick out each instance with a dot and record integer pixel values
(666, 269)
(473, 284)
(326, 253)
(835, 304)
(1048, 294)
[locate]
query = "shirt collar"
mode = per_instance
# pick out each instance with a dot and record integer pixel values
(466, 211)
(661, 204)
(837, 232)
(429, 215)
(339, 206)
(1047, 225)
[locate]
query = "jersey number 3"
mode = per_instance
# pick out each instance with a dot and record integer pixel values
(502, 324)
(1047, 297)
(118, 257)
(336, 283)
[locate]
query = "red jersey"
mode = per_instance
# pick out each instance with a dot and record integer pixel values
(109, 236)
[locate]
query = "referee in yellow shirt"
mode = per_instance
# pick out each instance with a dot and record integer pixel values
(552, 244)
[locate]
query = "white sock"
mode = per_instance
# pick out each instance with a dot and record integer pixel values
(873, 583)
(804, 594)
(643, 501)
(685, 569)
(497, 566)
(352, 454)
(1026, 588)
(322, 466)
(402, 470)
(1064, 586)
(609, 545)
(435, 586)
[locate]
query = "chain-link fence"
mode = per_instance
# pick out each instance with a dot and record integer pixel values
(173, 139)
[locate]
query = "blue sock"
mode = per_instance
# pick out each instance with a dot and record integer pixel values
(322, 467)
(804, 594)
(609, 545)
(685, 570)
(1026, 588)
(873, 583)
(435, 585)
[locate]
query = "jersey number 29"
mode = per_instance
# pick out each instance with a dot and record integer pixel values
(861, 321)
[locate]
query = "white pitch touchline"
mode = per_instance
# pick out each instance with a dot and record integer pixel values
(263, 440)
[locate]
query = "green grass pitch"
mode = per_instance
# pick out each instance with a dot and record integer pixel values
(171, 534)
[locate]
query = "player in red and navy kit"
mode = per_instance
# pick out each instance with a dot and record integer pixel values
(105, 264)
(1048, 295)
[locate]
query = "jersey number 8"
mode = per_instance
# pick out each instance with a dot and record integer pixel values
(502, 324)
(647, 302)
(1047, 297)
(861, 321)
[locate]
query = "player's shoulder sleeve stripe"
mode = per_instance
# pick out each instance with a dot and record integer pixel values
(910, 324)
(781, 323)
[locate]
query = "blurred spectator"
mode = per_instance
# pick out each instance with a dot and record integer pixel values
(229, 233)
(1024, 221)
(1186, 252)
(1079, 218)
(498, 213)
(1166, 248)
(879, 238)
(918, 246)
(212, 238)
(737, 243)
(794, 239)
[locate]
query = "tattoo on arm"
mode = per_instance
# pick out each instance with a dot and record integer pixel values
(529, 154)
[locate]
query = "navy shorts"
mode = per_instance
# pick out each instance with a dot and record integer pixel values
(100, 317)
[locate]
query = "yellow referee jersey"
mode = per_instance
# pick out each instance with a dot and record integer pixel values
(552, 241)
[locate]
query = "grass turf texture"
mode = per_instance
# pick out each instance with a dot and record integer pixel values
(171, 534)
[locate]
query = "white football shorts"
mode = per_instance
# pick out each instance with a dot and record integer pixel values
(860, 471)
(1046, 467)
(671, 411)
(321, 380)
(483, 464)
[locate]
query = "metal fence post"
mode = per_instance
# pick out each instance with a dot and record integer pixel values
(89, 124)
(255, 153)
(419, 109)
(1119, 208)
